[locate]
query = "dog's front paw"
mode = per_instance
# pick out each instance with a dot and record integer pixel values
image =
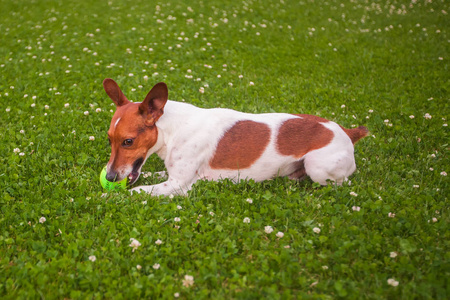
(139, 189)
(161, 174)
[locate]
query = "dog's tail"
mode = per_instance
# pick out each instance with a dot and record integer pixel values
(356, 134)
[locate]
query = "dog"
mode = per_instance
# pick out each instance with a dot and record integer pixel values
(213, 144)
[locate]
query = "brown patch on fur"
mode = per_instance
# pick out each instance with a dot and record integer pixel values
(312, 118)
(298, 136)
(354, 134)
(241, 145)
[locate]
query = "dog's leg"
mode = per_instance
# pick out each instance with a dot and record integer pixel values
(321, 165)
(166, 188)
(160, 174)
(300, 171)
(179, 183)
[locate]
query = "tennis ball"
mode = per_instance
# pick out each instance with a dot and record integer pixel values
(110, 185)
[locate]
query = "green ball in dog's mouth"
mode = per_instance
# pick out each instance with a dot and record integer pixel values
(110, 185)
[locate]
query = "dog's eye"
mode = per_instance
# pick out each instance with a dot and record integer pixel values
(127, 142)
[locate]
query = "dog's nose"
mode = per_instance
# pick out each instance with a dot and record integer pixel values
(111, 176)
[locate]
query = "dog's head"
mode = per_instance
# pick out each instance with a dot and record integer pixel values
(132, 132)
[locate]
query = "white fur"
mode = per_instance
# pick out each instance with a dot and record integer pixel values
(117, 122)
(188, 136)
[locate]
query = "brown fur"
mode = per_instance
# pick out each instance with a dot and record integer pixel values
(298, 136)
(241, 146)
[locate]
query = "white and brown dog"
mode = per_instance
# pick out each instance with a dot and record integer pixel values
(213, 144)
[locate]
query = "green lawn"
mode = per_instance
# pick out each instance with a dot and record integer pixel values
(381, 64)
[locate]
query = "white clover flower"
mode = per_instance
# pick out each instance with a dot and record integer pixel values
(42, 220)
(86, 113)
(21, 154)
(251, 83)
(92, 258)
(427, 116)
(16, 150)
(443, 173)
(325, 267)
(91, 138)
(66, 105)
(343, 106)
(356, 208)
(158, 242)
(176, 219)
(280, 234)
(211, 213)
(316, 230)
(411, 117)
(201, 90)
(241, 76)
(156, 266)
(246, 220)
(391, 215)
(138, 267)
(134, 243)
(392, 282)
(268, 229)
(416, 186)
(46, 107)
(33, 105)
(98, 110)
(353, 194)
(434, 220)
(188, 281)
(249, 200)
(179, 207)
(176, 295)
(393, 254)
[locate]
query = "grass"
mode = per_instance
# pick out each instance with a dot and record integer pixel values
(382, 64)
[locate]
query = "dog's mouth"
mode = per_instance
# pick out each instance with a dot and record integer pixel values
(136, 171)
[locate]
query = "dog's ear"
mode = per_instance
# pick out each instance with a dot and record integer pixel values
(152, 108)
(114, 92)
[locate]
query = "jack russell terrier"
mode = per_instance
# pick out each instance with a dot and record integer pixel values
(213, 144)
